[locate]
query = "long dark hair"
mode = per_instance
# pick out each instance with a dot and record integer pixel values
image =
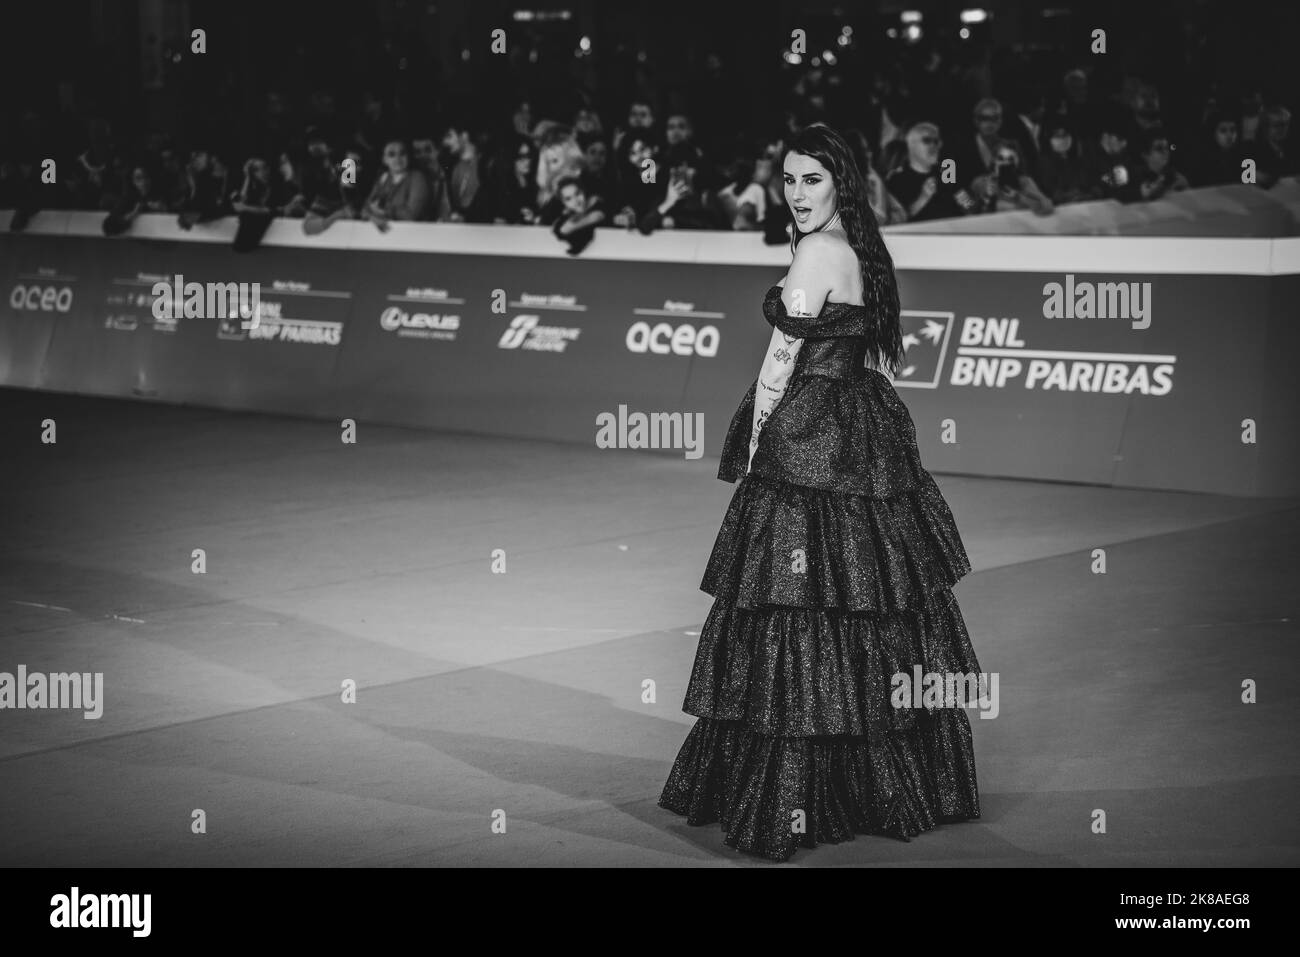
(879, 285)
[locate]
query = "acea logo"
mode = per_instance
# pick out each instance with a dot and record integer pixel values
(38, 298)
(667, 334)
(524, 332)
(663, 339)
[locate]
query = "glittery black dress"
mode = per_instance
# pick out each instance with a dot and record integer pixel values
(832, 572)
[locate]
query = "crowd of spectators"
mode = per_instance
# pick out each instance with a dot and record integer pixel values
(1044, 142)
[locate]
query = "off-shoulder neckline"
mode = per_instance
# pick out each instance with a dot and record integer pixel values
(842, 305)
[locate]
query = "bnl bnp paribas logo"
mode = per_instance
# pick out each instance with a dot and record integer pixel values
(997, 352)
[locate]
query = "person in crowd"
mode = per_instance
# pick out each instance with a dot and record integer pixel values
(599, 178)
(373, 129)
(1062, 165)
(887, 111)
(586, 123)
(221, 172)
(558, 157)
(288, 195)
(521, 120)
(205, 198)
(931, 86)
(170, 179)
(778, 224)
(322, 114)
(685, 204)
(427, 160)
(514, 189)
(1217, 161)
(83, 182)
(117, 182)
(335, 201)
(640, 189)
(253, 204)
(974, 153)
(680, 145)
(919, 186)
(1078, 106)
(746, 208)
(1153, 173)
(576, 226)
(1110, 175)
(355, 179)
(1275, 154)
(19, 190)
(640, 122)
(883, 203)
(401, 191)
(1006, 186)
(1250, 126)
(893, 155)
(678, 132)
(142, 197)
(1025, 126)
(91, 187)
(318, 170)
(464, 175)
(274, 131)
(1146, 109)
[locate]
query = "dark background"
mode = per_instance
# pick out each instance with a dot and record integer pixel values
(64, 61)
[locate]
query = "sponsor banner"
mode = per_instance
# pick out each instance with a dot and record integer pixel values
(40, 295)
(133, 330)
(1129, 379)
(1097, 393)
(516, 346)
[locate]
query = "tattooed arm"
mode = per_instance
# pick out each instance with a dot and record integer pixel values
(804, 293)
(772, 380)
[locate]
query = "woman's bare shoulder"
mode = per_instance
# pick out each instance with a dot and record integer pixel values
(830, 258)
(826, 252)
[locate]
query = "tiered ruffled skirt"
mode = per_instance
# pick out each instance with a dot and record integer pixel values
(822, 598)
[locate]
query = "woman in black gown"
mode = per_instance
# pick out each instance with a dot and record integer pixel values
(833, 568)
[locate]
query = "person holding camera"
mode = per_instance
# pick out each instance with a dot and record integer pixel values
(684, 205)
(918, 184)
(638, 192)
(1154, 174)
(1006, 186)
(1110, 166)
